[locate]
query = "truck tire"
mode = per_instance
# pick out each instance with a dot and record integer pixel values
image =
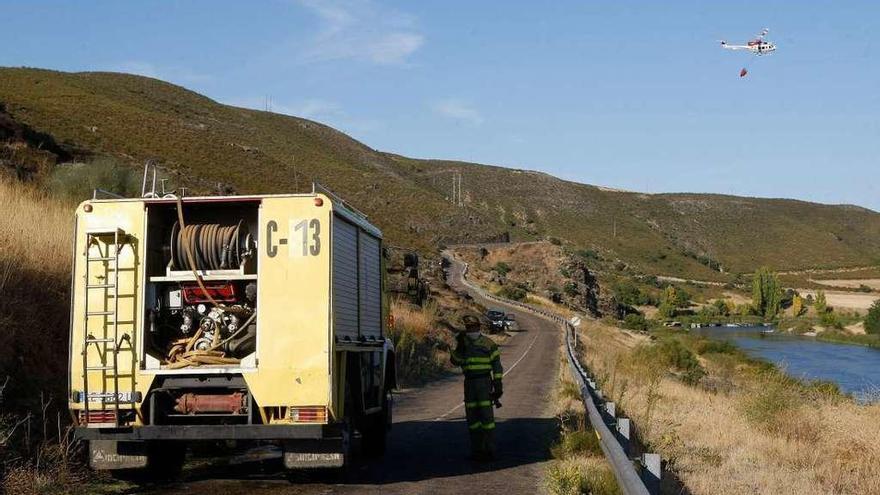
(164, 463)
(165, 460)
(374, 430)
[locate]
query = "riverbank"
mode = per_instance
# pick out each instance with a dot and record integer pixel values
(728, 423)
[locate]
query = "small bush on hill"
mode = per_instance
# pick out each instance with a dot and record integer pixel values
(672, 353)
(588, 254)
(516, 293)
(872, 320)
(77, 181)
(635, 321)
(502, 268)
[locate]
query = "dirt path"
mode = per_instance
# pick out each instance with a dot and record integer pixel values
(428, 444)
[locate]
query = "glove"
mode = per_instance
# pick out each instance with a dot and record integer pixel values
(497, 390)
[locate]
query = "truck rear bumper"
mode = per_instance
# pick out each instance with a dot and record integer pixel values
(211, 432)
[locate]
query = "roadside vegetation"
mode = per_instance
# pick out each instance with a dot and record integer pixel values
(422, 344)
(35, 250)
(729, 424)
(579, 465)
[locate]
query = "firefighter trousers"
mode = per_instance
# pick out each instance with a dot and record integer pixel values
(480, 414)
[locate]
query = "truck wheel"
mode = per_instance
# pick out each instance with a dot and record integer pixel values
(374, 432)
(165, 460)
(164, 463)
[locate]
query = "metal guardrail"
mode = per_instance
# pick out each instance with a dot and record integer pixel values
(614, 432)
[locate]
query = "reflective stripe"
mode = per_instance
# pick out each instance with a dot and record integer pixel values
(497, 376)
(482, 426)
(482, 403)
(480, 359)
(476, 367)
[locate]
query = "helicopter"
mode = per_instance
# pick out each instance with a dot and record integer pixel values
(758, 46)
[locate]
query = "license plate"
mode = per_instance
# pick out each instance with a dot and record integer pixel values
(104, 397)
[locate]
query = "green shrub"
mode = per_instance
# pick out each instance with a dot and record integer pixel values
(555, 241)
(577, 442)
(515, 293)
(671, 353)
(588, 254)
(502, 268)
(628, 293)
(569, 478)
(635, 321)
(831, 320)
(77, 181)
(872, 320)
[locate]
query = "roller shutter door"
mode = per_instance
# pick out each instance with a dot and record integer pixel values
(345, 279)
(370, 285)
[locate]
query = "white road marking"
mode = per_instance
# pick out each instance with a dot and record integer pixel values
(456, 408)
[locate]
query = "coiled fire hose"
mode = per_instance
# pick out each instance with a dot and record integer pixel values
(181, 353)
(212, 246)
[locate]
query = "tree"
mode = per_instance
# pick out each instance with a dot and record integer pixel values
(666, 310)
(797, 305)
(628, 293)
(821, 304)
(872, 320)
(722, 306)
(682, 299)
(766, 293)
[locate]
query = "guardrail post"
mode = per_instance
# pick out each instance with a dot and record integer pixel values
(651, 473)
(610, 409)
(623, 433)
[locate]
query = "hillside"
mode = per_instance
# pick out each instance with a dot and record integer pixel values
(200, 143)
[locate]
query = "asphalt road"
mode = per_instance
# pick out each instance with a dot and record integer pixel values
(428, 444)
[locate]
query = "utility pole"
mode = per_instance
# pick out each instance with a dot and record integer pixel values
(453, 188)
(295, 178)
(460, 201)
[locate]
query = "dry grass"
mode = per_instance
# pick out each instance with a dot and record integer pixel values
(35, 250)
(422, 345)
(579, 466)
(762, 433)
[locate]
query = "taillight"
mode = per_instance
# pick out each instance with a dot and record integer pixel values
(308, 414)
(98, 417)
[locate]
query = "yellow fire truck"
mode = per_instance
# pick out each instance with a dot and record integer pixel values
(228, 318)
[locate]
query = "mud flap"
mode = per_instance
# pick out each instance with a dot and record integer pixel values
(113, 454)
(315, 454)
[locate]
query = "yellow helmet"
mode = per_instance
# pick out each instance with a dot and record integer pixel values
(471, 323)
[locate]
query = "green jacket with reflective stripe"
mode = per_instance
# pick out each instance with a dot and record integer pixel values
(478, 357)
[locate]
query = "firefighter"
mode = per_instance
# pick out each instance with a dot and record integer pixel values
(480, 361)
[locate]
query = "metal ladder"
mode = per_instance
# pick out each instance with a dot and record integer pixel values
(107, 342)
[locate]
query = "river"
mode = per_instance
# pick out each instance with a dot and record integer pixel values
(855, 369)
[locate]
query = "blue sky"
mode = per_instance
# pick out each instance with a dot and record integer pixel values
(634, 95)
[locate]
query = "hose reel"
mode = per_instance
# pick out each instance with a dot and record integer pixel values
(214, 246)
